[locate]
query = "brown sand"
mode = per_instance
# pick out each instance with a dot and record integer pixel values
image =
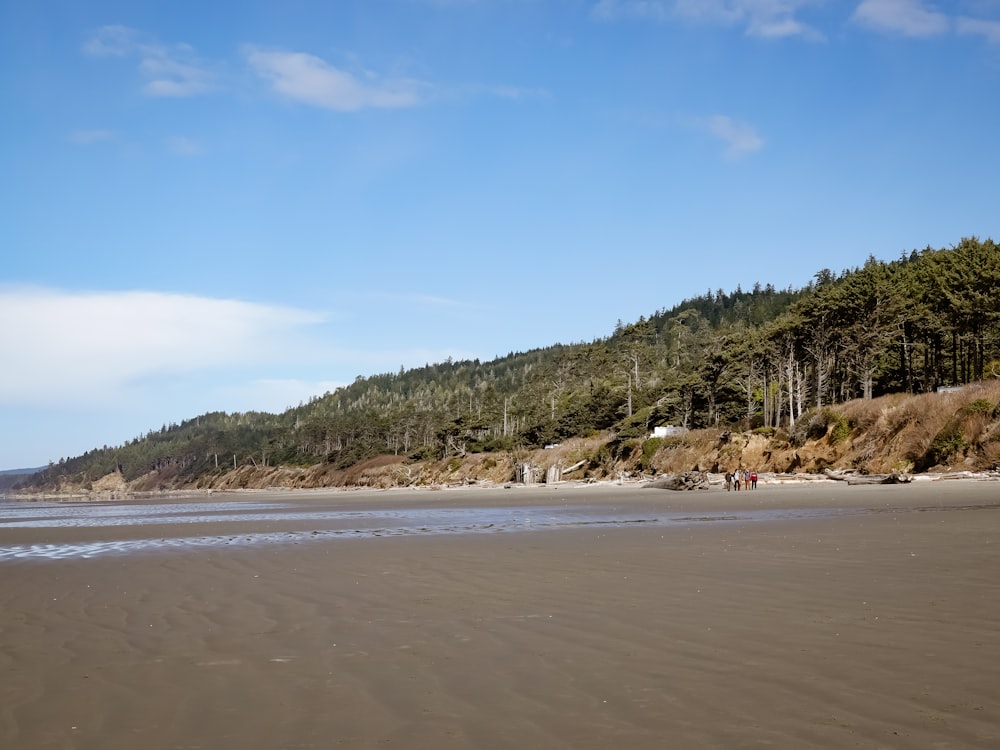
(875, 628)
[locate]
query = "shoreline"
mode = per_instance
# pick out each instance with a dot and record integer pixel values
(716, 482)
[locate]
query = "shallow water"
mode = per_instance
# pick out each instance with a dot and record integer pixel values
(160, 526)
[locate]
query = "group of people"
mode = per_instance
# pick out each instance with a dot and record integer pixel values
(746, 477)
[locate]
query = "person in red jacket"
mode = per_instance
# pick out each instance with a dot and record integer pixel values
(753, 479)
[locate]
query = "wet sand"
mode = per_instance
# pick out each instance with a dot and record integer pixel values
(793, 617)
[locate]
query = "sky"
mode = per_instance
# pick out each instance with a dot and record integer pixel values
(237, 206)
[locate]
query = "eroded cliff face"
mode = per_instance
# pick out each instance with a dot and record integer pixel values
(940, 433)
(948, 432)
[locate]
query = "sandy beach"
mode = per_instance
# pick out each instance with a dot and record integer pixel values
(800, 616)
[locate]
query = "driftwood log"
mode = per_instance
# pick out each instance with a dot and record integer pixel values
(852, 478)
(527, 473)
(792, 477)
(688, 480)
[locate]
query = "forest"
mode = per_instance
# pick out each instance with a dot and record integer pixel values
(745, 359)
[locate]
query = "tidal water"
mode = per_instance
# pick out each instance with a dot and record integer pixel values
(86, 530)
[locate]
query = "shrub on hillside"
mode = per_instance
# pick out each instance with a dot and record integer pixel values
(816, 424)
(424, 453)
(948, 443)
(649, 449)
(493, 444)
(615, 452)
(964, 433)
(990, 458)
(635, 426)
(979, 406)
(839, 429)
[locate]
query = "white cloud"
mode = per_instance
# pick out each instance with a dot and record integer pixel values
(171, 71)
(907, 17)
(762, 18)
(779, 18)
(308, 79)
(430, 299)
(275, 395)
(418, 300)
(740, 137)
(90, 368)
(609, 10)
(88, 137)
(112, 41)
(710, 11)
(988, 29)
(448, 3)
(92, 348)
(515, 92)
(776, 28)
(184, 146)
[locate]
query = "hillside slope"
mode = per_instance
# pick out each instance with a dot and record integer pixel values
(753, 362)
(934, 432)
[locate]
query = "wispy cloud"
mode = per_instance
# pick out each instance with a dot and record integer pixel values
(760, 18)
(988, 29)
(98, 347)
(182, 146)
(781, 18)
(781, 26)
(431, 300)
(907, 17)
(740, 138)
(515, 92)
(88, 137)
(168, 70)
(311, 80)
(612, 10)
(276, 394)
(448, 3)
(130, 361)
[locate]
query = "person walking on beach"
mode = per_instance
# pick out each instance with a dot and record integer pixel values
(729, 481)
(736, 480)
(753, 479)
(746, 479)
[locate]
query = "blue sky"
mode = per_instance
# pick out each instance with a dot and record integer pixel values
(237, 206)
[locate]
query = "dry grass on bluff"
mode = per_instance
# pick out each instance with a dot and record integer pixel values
(934, 432)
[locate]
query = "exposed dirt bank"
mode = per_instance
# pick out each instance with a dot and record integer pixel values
(937, 434)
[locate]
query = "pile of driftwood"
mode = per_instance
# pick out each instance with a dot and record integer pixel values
(853, 478)
(528, 473)
(688, 480)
